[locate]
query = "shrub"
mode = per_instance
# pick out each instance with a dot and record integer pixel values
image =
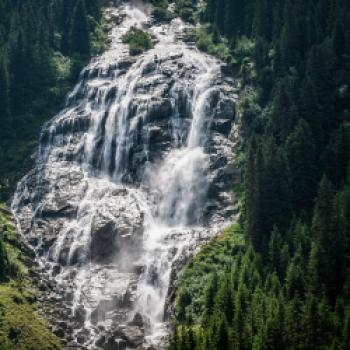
(208, 41)
(138, 40)
(161, 14)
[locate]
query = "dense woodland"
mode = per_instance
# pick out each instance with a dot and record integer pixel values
(43, 46)
(279, 279)
(288, 286)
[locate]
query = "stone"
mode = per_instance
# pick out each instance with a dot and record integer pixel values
(100, 341)
(99, 314)
(115, 344)
(59, 332)
(81, 338)
(159, 109)
(222, 126)
(116, 229)
(137, 320)
(134, 336)
(80, 315)
(56, 270)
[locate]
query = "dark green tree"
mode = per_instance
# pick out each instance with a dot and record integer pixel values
(79, 39)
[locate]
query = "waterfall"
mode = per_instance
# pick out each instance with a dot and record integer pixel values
(130, 179)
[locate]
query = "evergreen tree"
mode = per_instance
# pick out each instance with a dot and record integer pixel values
(4, 102)
(79, 31)
(3, 262)
(302, 162)
(220, 15)
(329, 237)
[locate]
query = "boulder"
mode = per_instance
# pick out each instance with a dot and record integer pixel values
(137, 320)
(116, 228)
(80, 315)
(159, 109)
(223, 126)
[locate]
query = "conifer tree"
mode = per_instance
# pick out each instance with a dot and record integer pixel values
(79, 31)
(4, 101)
(302, 162)
(330, 240)
(3, 261)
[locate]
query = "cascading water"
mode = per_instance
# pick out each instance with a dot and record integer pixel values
(130, 179)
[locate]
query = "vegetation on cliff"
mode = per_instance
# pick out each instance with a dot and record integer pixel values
(43, 46)
(21, 326)
(288, 287)
(138, 41)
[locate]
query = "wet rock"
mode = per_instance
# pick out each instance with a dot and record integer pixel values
(157, 135)
(115, 344)
(63, 325)
(81, 338)
(99, 314)
(75, 346)
(78, 255)
(222, 126)
(59, 332)
(100, 341)
(80, 315)
(126, 63)
(56, 270)
(150, 67)
(159, 109)
(133, 336)
(118, 229)
(137, 320)
(225, 109)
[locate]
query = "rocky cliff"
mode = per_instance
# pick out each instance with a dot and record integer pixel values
(130, 179)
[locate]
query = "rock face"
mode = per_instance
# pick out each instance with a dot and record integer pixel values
(131, 178)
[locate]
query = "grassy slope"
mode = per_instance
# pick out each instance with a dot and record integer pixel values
(213, 257)
(21, 327)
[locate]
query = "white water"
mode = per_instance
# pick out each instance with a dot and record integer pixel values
(170, 192)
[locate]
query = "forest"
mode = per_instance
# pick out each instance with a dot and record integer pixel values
(43, 47)
(288, 286)
(280, 277)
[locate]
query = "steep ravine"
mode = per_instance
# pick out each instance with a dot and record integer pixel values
(130, 179)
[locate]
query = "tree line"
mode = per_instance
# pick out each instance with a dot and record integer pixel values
(43, 45)
(289, 287)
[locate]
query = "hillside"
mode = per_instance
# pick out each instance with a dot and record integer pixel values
(178, 173)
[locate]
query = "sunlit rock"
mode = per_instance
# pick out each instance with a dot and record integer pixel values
(131, 178)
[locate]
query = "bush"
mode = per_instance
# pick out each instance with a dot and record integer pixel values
(244, 48)
(161, 14)
(186, 9)
(138, 40)
(208, 41)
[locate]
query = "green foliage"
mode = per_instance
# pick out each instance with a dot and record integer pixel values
(10, 265)
(199, 276)
(161, 14)
(210, 42)
(21, 327)
(38, 66)
(186, 9)
(160, 11)
(229, 297)
(138, 40)
(288, 287)
(79, 40)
